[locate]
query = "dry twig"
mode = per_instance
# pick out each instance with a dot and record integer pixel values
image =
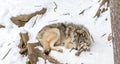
(6, 53)
(55, 7)
(35, 22)
(33, 53)
(99, 11)
(1, 26)
(110, 37)
(103, 35)
(82, 12)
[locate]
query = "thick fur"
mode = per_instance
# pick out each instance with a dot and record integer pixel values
(66, 34)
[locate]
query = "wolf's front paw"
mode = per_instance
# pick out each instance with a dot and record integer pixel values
(60, 50)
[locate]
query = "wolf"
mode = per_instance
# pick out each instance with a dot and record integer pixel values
(69, 35)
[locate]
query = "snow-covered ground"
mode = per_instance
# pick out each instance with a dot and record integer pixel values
(101, 51)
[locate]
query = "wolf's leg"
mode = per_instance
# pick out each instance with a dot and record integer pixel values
(45, 46)
(55, 48)
(55, 36)
(58, 43)
(47, 49)
(68, 45)
(52, 43)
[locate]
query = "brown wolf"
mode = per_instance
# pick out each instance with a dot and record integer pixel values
(67, 34)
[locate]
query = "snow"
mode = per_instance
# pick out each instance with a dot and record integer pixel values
(101, 51)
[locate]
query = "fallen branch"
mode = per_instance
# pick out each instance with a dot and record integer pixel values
(22, 19)
(55, 7)
(54, 20)
(82, 12)
(23, 40)
(66, 13)
(1, 26)
(46, 57)
(103, 2)
(6, 53)
(101, 10)
(33, 53)
(103, 35)
(35, 21)
(33, 58)
(110, 37)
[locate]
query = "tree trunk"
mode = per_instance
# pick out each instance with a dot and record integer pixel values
(115, 23)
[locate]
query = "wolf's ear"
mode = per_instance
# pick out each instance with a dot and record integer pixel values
(80, 31)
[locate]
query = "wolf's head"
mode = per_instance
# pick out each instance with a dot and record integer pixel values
(82, 38)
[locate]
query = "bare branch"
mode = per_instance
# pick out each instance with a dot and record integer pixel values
(1, 26)
(55, 7)
(6, 53)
